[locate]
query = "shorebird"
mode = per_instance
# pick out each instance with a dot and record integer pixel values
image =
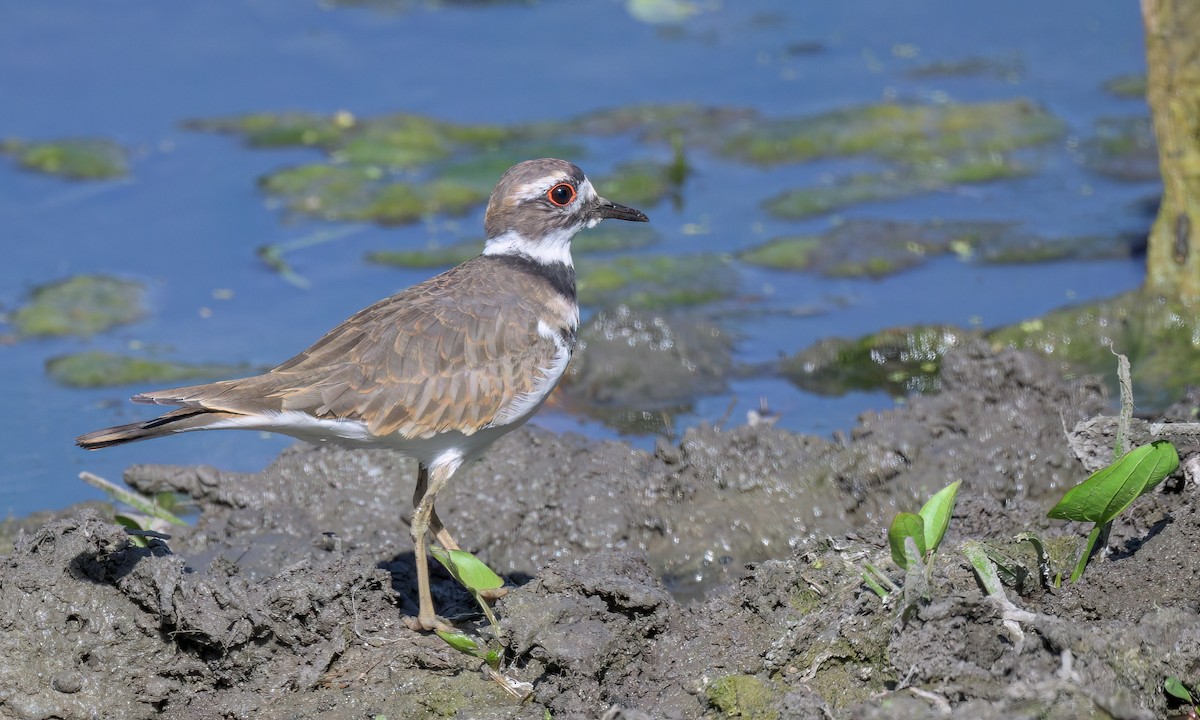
(437, 372)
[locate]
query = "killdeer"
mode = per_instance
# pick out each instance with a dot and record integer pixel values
(437, 372)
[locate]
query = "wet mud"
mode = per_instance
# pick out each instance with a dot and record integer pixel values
(717, 576)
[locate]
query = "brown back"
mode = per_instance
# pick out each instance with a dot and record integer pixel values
(449, 353)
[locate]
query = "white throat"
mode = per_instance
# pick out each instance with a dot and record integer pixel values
(551, 249)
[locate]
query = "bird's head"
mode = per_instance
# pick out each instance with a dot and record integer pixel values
(539, 205)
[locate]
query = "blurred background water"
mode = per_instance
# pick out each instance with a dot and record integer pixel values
(188, 217)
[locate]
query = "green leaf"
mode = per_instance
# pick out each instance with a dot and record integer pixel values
(145, 505)
(1044, 573)
(916, 575)
(1110, 490)
(132, 525)
(906, 525)
(1008, 569)
(1177, 689)
(875, 587)
(131, 522)
(468, 569)
(877, 581)
(936, 513)
(977, 554)
(460, 642)
(1099, 532)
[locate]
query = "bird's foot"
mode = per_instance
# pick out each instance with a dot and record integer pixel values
(431, 623)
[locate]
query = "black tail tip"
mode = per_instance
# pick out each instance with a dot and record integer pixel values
(109, 436)
(88, 443)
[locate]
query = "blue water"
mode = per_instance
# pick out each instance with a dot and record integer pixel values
(189, 218)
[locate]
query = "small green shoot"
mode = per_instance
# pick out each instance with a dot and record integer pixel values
(150, 518)
(469, 646)
(476, 577)
(981, 562)
(1009, 569)
(994, 568)
(916, 575)
(468, 570)
(879, 583)
(1108, 491)
(936, 513)
(1176, 689)
(926, 528)
(984, 562)
(460, 642)
(913, 538)
(906, 526)
(1044, 572)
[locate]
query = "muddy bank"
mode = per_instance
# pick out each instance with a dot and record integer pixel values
(715, 577)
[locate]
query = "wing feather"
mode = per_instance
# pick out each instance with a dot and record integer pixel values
(452, 352)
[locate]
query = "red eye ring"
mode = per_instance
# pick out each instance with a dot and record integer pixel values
(561, 194)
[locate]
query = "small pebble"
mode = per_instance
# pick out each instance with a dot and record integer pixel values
(67, 681)
(157, 689)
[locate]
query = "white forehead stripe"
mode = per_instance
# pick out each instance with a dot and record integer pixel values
(528, 191)
(538, 188)
(586, 192)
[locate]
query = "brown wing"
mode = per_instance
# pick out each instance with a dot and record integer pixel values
(451, 352)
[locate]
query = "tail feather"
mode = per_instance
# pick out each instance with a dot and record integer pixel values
(181, 420)
(191, 395)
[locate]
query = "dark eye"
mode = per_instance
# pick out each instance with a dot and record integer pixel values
(561, 194)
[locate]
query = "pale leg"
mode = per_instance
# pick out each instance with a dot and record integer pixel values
(426, 618)
(435, 524)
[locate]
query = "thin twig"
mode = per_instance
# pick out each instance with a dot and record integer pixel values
(939, 702)
(1120, 447)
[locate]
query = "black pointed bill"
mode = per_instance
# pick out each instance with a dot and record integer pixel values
(608, 209)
